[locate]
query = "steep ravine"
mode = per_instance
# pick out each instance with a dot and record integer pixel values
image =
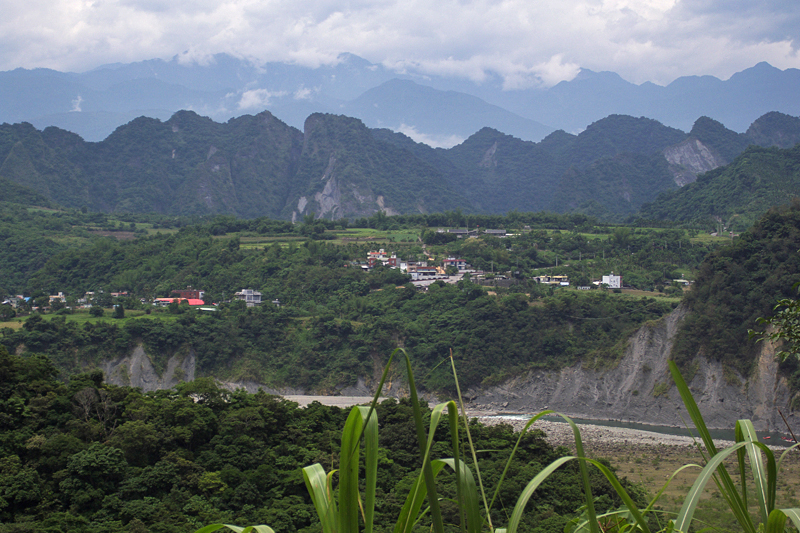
(637, 389)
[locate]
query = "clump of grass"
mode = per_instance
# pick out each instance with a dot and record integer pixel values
(660, 389)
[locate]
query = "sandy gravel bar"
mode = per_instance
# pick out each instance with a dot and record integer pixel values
(560, 433)
(595, 438)
(334, 401)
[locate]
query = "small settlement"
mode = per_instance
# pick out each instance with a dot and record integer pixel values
(422, 273)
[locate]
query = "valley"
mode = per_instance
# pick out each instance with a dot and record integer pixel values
(171, 291)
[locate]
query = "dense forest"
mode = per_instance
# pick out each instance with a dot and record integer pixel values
(83, 456)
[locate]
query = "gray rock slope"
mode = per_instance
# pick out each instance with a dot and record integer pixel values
(638, 388)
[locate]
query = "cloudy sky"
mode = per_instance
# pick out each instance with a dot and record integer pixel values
(527, 42)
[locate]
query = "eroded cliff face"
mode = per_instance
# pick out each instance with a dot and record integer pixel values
(690, 158)
(137, 370)
(640, 389)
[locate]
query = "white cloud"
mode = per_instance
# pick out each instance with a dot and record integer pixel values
(304, 93)
(433, 140)
(257, 98)
(525, 43)
(76, 104)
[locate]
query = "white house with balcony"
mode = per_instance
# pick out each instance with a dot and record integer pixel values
(250, 297)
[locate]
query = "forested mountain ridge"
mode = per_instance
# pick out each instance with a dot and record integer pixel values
(258, 166)
(735, 286)
(734, 195)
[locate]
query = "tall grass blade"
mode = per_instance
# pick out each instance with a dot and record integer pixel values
(691, 407)
(427, 471)
(527, 493)
(370, 465)
(318, 486)
(794, 515)
(411, 512)
(416, 497)
(764, 476)
(776, 522)
(786, 452)
(724, 482)
(468, 501)
(686, 513)
(624, 496)
(452, 418)
(663, 488)
(471, 445)
(215, 527)
(587, 488)
(522, 432)
(348, 472)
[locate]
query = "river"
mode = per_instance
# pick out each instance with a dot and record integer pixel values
(771, 438)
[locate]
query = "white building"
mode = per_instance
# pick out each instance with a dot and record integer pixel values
(251, 297)
(613, 282)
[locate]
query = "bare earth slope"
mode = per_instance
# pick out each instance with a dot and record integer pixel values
(639, 388)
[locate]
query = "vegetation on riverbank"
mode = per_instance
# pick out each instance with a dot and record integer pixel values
(85, 456)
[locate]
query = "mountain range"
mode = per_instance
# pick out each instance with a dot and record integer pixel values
(337, 167)
(439, 110)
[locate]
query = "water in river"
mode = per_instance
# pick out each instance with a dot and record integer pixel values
(766, 437)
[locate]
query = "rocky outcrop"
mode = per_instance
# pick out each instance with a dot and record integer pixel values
(640, 389)
(329, 199)
(137, 370)
(690, 158)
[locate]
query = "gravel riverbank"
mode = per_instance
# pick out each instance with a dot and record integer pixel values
(597, 437)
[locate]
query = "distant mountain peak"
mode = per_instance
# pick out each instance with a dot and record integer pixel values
(585, 74)
(353, 60)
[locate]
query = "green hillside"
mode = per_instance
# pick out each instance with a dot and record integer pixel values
(738, 193)
(775, 129)
(344, 171)
(737, 284)
(613, 187)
